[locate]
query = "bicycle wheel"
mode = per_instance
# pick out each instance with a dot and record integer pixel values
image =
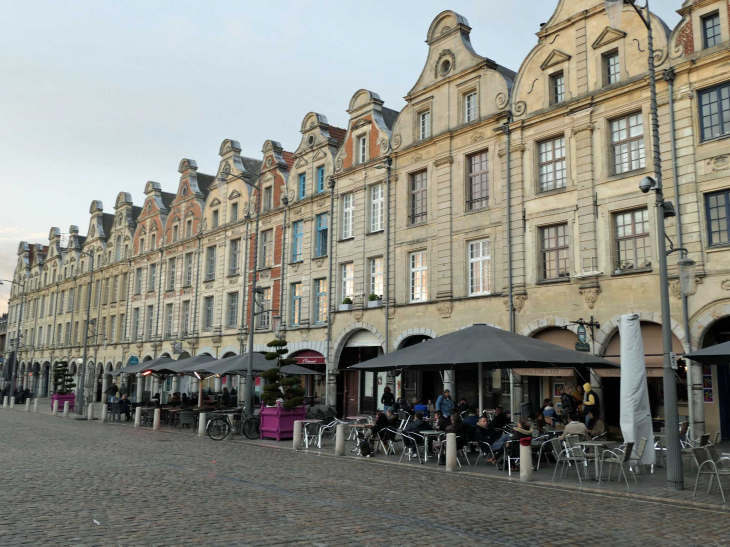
(251, 428)
(218, 429)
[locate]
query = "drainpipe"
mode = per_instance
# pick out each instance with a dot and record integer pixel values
(388, 165)
(282, 321)
(694, 374)
(157, 317)
(333, 401)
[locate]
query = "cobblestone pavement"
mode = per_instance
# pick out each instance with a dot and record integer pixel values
(68, 482)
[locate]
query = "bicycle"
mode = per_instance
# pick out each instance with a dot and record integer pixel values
(221, 425)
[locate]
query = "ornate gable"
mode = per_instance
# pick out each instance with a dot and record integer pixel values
(607, 36)
(554, 58)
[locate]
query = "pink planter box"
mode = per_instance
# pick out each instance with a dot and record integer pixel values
(70, 397)
(277, 423)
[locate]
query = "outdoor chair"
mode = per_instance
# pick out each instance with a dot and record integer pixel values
(413, 444)
(485, 449)
(617, 456)
(600, 437)
(567, 457)
(462, 448)
(635, 459)
(310, 434)
(330, 428)
(547, 450)
(385, 441)
(148, 415)
(186, 418)
(115, 413)
(704, 458)
(508, 458)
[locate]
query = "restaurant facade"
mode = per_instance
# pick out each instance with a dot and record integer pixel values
(410, 224)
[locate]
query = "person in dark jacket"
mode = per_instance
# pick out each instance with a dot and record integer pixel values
(416, 426)
(567, 402)
(387, 399)
(500, 419)
(458, 426)
(125, 405)
(483, 434)
(442, 422)
(226, 397)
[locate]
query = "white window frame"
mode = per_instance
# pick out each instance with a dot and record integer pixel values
(348, 280)
(418, 284)
(480, 261)
(235, 257)
(208, 311)
(232, 310)
(267, 249)
(376, 275)
(471, 107)
(377, 202)
(362, 148)
(348, 215)
(171, 273)
(169, 314)
(424, 125)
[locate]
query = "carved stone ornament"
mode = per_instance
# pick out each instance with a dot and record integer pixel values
(264, 274)
(357, 314)
(583, 127)
(518, 302)
(233, 280)
(391, 312)
(438, 69)
(445, 308)
(443, 161)
(675, 287)
(718, 163)
(397, 141)
(338, 163)
(266, 221)
(295, 267)
(725, 285)
(417, 157)
(383, 145)
(319, 262)
(590, 296)
(305, 334)
(501, 100)
(519, 108)
(477, 136)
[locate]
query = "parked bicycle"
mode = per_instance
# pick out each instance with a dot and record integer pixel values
(238, 422)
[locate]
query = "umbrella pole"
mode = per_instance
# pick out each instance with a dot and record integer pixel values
(200, 393)
(481, 388)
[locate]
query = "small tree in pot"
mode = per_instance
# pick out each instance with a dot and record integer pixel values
(63, 381)
(277, 386)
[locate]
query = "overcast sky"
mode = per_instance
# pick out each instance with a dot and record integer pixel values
(99, 97)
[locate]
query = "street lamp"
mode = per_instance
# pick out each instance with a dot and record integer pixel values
(79, 405)
(687, 271)
(675, 475)
(14, 364)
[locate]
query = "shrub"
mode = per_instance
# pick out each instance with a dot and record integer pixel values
(347, 300)
(373, 297)
(63, 381)
(277, 386)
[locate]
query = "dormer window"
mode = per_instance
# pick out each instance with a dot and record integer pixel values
(185, 191)
(175, 233)
(189, 228)
(362, 149)
(153, 242)
(424, 125)
(302, 185)
(149, 207)
(470, 107)
(141, 245)
(214, 220)
(557, 88)
(611, 67)
(711, 35)
(268, 198)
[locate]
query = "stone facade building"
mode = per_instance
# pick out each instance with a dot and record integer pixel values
(409, 225)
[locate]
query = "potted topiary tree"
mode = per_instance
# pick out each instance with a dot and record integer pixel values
(282, 397)
(63, 384)
(346, 304)
(373, 301)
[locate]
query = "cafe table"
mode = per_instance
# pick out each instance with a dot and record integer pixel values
(353, 431)
(596, 445)
(426, 434)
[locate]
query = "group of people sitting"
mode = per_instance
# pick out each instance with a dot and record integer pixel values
(21, 395)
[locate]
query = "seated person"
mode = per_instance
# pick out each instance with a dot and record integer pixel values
(393, 420)
(126, 407)
(574, 427)
(522, 430)
(471, 417)
(175, 399)
(405, 407)
(461, 430)
(483, 434)
(233, 391)
(420, 407)
(501, 418)
(185, 400)
(596, 427)
(540, 422)
(548, 411)
(226, 397)
(381, 422)
(416, 426)
(463, 406)
(442, 422)
(431, 406)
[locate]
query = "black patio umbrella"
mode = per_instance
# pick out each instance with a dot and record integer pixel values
(299, 370)
(235, 365)
(140, 367)
(481, 344)
(718, 354)
(176, 367)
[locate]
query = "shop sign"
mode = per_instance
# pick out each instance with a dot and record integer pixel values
(543, 371)
(133, 361)
(581, 333)
(582, 346)
(177, 348)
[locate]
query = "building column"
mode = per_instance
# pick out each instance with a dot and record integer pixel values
(140, 387)
(104, 387)
(175, 384)
(217, 385)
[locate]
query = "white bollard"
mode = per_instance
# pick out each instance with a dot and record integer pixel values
(451, 462)
(12, 402)
(36, 405)
(6, 402)
(156, 420)
(103, 413)
(55, 407)
(340, 440)
(65, 409)
(90, 412)
(27, 405)
(297, 441)
(202, 423)
(525, 462)
(138, 416)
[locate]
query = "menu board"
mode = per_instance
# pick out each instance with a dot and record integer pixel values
(707, 394)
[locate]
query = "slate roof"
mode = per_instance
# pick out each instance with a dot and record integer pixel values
(107, 223)
(389, 116)
(136, 211)
(251, 165)
(167, 199)
(204, 182)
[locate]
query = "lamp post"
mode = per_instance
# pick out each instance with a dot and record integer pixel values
(79, 405)
(14, 364)
(675, 476)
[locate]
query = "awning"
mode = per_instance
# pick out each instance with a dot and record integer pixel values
(719, 354)
(139, 367)
(171, 367)
(309, 357)
(651, 372)
(297, 370)
(238, 364)
(544, 371)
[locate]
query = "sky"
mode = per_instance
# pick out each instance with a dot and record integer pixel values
(99, 97)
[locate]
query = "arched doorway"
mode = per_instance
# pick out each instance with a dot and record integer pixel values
(99, 391)
(423, 385)
(45, 379)
(716, 382)
(358, 390)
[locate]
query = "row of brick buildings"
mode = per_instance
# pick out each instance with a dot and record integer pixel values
(400, 227)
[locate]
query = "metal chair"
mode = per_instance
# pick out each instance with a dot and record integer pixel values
(413, 442)
(635, 459)
(310, 434)
(567, 457)
(546, 449)
(485, 449)
(508, 458)
(115, 414)
(462, 448)
(704, 458)
(619, 457)
(186, 418)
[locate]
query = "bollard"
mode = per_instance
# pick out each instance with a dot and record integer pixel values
(340, 440)
(6, 402)
(12, 402)
(90, 412)
(55, 407)
(525, 459)
(138, 417)
(36, 405)
(297, 434)
(65, 409)
(103, 413)
(202, 423)
(156, 420)
(27, 405)
(451, 462)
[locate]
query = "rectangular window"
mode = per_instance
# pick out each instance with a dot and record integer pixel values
(138, 282)
(235, 257)
(470, 107)
(718, 220)
(348, 215)
(105, 296)
(478, 181)
(71, 299)
(551, 164)
(376, 276)
(115, 289)
(711, 30)
(267, 249)
(611, 67)
(348, 280)
(479, 261)
(321, 244)
(302, 186)
(43, 306)
(171, 273)
(102, 333)
(210, 263)
(362, 149)
(68, 334)
(424, 126)
(557, 88)
(268, 198)
(419, 197)
(296, 304)
(715, 111)
(76, 333)
(112, 329)
(122, 327)
(297, 240)
(153, 242)
(264, 320)
(419, 277)
(377, 202)
(59, 335)
(554, 251)
(208, 312)
(232, 315)
(135, 324)
(141, 248)
(51, 307)
(632, 240)
(320, 178)
(152, 277)
(188, 269)
(150, 322)
(185, 317)
(216, 219)
(627, 143)
(97, 293)
(189, 228)
(125, 286)
(40, 337)
(234, 212)
(320, 301)
(62, 302)
(175, 233)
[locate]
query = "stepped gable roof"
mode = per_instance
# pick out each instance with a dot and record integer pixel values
(288, 158)
(389, 116)
(107, 223)
(337, 133)
(167, 199)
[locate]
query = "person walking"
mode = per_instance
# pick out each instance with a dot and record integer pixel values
(387, 399)
(445, 403)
